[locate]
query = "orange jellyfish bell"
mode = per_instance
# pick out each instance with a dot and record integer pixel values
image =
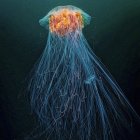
(63, 20)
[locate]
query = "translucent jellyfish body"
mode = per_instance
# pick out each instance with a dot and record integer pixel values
(72, 93)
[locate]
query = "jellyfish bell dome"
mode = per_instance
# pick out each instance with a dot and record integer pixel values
(65, 19)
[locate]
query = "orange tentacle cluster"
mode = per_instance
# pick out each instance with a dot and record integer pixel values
(65, 21)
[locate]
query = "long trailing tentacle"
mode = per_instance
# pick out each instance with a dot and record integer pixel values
(74, 95)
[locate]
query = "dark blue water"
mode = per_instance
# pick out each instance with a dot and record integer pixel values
(114, 35)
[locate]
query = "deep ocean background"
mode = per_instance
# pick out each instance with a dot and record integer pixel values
(114, 35)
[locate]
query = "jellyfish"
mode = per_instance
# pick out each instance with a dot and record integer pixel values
(71, 92)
